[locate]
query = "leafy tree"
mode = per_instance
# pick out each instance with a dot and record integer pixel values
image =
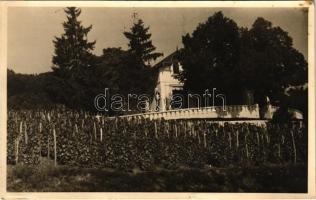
(269, 64)
(72, 49)
(210, 55)
(140, 44)
(221, 55)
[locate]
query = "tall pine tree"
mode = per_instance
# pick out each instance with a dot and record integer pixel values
(72, 50)
(72, 64)
(140, 44)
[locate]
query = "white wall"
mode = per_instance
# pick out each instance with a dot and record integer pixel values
(165, 84)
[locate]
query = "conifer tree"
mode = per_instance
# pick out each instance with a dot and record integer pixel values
(140, 44)
(72, 49)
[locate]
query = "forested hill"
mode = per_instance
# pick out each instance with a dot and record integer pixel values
(28, 91)
(114, 70)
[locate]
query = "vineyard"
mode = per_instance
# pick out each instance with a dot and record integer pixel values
(81, 139)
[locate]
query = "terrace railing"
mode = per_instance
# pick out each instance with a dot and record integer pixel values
(220, 112)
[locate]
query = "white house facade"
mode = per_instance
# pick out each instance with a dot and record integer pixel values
(167, 83)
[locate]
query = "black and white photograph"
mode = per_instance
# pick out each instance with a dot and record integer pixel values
(201, 99)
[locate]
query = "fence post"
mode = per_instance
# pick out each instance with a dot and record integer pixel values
(55, 147)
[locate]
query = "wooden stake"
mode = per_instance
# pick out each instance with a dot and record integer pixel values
(55, 147)
(294, 146)
(145, 130)
(21, 127)
(76, 128)
(40, 127)
(17, 151)
(176, 129)
(247, 152)
(39, 140)
(156, 135)
(267, 137)
(258, 140)
(25, 133)
(48, 148)
(101, 134)
(230, 139)
(279, 148)
(185, 129)
(237, 139)
(95, 130)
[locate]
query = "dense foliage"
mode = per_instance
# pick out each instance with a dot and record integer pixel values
(210, 55)
(219, 54)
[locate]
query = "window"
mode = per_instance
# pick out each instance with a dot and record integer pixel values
(175, 66)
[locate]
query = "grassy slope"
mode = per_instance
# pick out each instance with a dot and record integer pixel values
(73, 179)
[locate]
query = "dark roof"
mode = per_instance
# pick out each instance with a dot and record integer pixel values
(167, 60)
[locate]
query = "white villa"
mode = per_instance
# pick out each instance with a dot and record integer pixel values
(167, 85)
(167, 82)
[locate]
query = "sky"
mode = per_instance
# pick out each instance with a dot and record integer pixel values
(31, 30)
